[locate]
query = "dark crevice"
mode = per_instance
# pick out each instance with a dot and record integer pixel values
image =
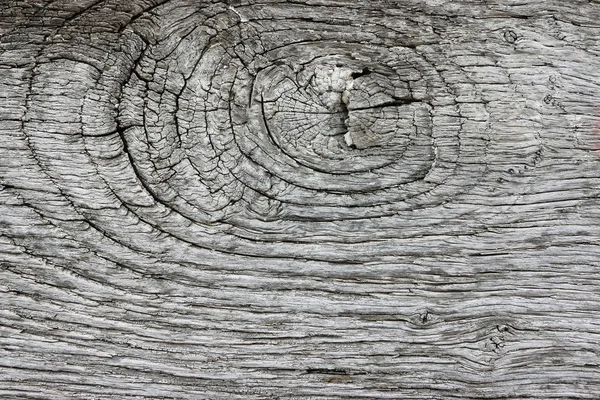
(345, 115)
(327, 371)
(365, 71)
(398, 101)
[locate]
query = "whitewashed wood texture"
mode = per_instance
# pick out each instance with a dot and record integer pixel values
(299, 199)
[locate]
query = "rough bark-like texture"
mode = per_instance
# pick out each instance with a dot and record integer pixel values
(299, 199)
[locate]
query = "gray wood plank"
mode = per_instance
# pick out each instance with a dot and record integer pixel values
(299, 199)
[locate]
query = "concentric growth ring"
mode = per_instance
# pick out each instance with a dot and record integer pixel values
(233, 124)
(307, 120)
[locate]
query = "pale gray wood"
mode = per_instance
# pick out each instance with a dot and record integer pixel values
(299, 199)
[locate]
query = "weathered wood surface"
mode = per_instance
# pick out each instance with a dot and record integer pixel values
(299, 199)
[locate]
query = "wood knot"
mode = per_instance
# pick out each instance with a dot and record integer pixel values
(378, 108)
